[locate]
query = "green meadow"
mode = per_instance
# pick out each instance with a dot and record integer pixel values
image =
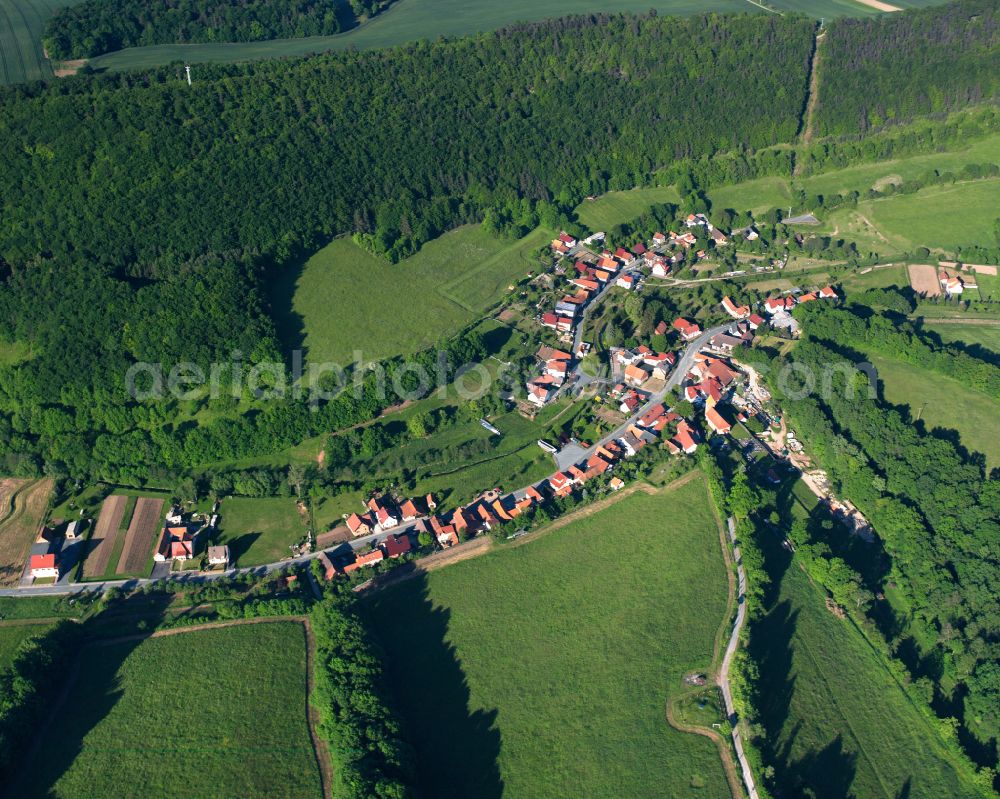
(345, 299)
(13, 635)
(550, 663)
(208, 713)
(838, 724)
(615, 207)
(986, 336)
(939, 401)
(259, 529)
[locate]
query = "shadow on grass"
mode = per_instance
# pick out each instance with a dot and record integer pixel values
(457, 747)
(289, 323)
(240, 545)
(78, 697)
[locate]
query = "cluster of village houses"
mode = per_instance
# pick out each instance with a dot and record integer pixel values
(178, 542)
(710, 382)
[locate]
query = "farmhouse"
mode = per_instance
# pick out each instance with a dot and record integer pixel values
(734, 310)
(359, 525)
(43, 566)
(635, 375)
(218, 556)
(395, 546)
(176, 543)
(773, 305)
(688, 330)
(716, 422)
(409, 511)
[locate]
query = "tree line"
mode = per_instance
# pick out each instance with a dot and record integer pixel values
(889, 69)
(94, 27)
(934, 509)
(395, 144)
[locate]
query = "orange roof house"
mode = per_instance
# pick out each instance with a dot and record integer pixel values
(716, 422)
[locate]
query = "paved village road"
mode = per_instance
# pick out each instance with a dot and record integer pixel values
(727, 661)
(574, 454)
(571, 454)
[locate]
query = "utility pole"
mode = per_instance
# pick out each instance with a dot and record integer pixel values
(187, 69)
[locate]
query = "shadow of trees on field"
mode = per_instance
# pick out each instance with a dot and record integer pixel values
(77, 698)
(458, 748)
(289, 323)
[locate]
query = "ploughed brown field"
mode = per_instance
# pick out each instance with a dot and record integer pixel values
(102, 542)
(22, 509)
(147, 521)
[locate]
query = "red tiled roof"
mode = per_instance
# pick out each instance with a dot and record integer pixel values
(43, 562)
(396, 545)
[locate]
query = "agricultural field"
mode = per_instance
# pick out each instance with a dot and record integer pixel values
(345, 299)
(143, 529)
(22, 23)
(103, 541)
(410, 20)
(837, 721)
(211, 712)
(986, 336)
(259, 530)
(550, 663)
(939, 401)
(22, 510)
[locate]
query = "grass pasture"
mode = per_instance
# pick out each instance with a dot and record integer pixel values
(938, 217)
(837, 722)
(13, 635)
(259, 530)
(617, 207)
(211, 713)
(26, 504)
(550, 663)
(985, 336)
(939, 401)
(345, 299)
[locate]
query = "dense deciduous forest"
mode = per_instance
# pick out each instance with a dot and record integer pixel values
(889, 69)
(94, 27)
(932, 504)
(396, 144)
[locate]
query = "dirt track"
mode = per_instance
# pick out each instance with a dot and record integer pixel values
(142, 530)
(102, 541)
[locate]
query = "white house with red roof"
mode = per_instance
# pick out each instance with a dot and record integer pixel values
(567, 239)
(43, 566)
(688, 330)
(625, 282)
